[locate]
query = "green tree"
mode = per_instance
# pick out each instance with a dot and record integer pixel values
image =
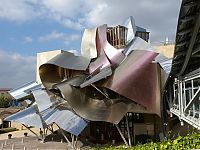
(4, 102)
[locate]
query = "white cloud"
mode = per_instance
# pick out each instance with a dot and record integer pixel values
(71, 24)
(159, 17)
(54, 35)
(28, 39)
(17, 10)
(64, 8)
(16, 69)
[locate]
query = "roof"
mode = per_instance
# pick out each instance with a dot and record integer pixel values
(140, 29)
(5, 112)
(5, 89)
(187, 46)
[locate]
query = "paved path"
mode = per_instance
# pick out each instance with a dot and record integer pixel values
(31, 142)
(20, 133)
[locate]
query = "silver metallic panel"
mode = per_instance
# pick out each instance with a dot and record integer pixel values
(54, 70)
(130, 24)
(137, 44)
(24, 90)
(89, 43)
(109, 110)
(42, 99)
(66, 120)
(70, 61)
(105, 72)
(28, 116)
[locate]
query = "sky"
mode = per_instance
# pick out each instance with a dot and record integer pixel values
(31, 26)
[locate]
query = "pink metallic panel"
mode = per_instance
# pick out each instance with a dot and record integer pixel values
(100, 63)
(106, 52)
(136, 78)
(114, 55)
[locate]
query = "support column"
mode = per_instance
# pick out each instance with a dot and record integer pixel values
(127, 126)
(122, 136)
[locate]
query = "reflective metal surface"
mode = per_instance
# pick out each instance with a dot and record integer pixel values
(89, 43)
(105, 72)
(104, 83)
(49, 109)
(54, 70)
(109, 110)
(24, 90)
(137, 44)
(136, 78)
(28, 116)
(42, 99)
(100, 63)
(130, 25)
(66, 120)
(114, 55)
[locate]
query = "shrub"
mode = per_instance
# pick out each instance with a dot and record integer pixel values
(6, 130)
(180, 143)
(4, 102)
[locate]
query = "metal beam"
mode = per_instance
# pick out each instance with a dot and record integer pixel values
(194, 98)
(196, 50)
(106, 96)
(191, 4)
(62, 132)
(191, 45)
(127, 126)
(122, 136)
(188, 18)
(184, 31)
(32, 131)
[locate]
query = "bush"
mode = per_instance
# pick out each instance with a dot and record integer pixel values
(6, 130)
(4, 102)
(180, 143)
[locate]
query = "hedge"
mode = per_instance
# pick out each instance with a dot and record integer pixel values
(6, 130)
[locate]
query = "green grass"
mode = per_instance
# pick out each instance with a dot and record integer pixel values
(180, 143)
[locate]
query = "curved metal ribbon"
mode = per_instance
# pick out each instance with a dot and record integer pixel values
(136, 78)
(94, 109)
(55, 69)
(114, 55)
(89, 43)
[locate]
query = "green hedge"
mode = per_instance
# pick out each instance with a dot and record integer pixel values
(180, 143)
(6, 130)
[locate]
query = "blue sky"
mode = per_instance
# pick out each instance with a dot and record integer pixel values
(30, 37)
(31, 26)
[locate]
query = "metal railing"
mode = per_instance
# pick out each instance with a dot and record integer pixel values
(186, 99)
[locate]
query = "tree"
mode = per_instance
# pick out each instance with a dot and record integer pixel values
(4, 102)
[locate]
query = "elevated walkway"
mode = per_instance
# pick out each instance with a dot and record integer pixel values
(185, 102)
